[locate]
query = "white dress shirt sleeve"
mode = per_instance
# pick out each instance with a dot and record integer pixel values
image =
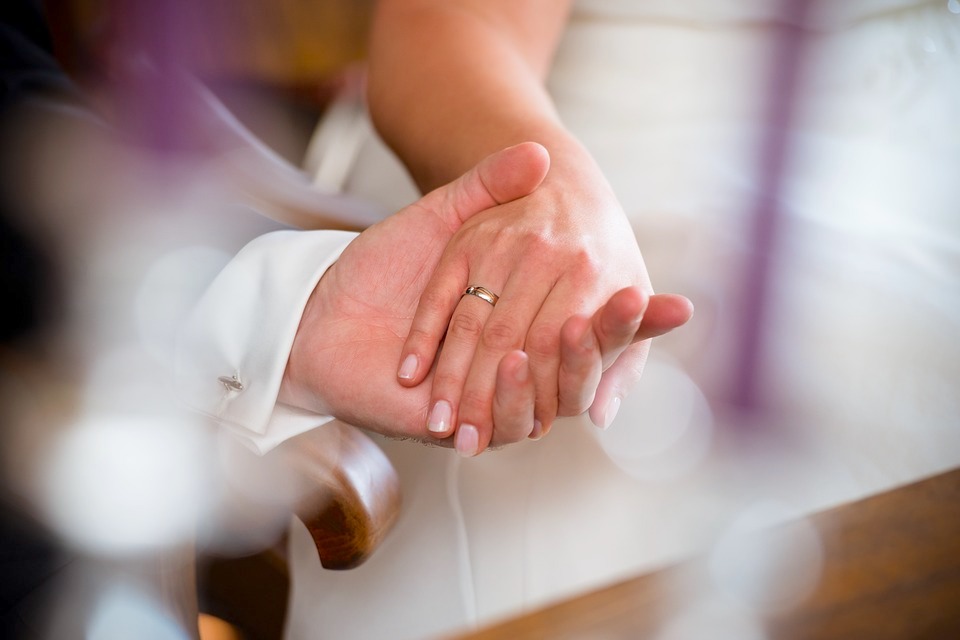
(233, 348)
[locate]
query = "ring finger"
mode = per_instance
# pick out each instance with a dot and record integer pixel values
(505, 331)
(455, 357)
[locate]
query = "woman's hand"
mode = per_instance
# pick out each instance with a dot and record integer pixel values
(558, 253)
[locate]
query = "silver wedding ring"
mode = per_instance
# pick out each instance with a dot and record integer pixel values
(482, 293)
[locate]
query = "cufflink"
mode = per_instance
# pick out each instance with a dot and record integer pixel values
(232, 383)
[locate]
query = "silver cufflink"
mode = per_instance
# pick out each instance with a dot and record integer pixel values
(232, 383)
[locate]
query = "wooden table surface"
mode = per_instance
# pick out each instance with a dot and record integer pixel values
(890, 569)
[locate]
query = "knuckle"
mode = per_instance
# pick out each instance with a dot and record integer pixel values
(433, 296)
(532, 240)
(541, 240)
(446, 384)
(543, 342)
(500, 335)
(588, 263)
(475, 407)
(420, 336)
(434, 302)
(465, 326)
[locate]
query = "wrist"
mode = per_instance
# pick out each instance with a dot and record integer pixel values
(308, 345)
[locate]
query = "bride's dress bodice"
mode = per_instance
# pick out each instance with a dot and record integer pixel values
(864, 295)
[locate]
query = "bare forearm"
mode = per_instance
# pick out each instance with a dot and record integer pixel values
(451, 82)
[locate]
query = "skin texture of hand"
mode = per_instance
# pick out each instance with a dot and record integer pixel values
(360, 313)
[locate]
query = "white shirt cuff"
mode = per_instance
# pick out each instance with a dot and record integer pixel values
(233, 349)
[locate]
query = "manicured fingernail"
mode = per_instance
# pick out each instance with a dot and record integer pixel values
(440, 417)
(408, 367)
(537, 432)
(613, 407)
(468, 440)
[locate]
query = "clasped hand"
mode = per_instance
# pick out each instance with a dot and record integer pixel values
(527, 361)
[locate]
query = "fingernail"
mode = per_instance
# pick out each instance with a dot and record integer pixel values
(440, 417)
(408, 367)
(537, 432)
(468, 440)
(612, 409)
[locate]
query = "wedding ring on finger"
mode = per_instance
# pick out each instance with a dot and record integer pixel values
(483, 293)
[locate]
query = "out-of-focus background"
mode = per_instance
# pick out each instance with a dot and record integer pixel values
(109, 227)
(855, 373)
(267, 59)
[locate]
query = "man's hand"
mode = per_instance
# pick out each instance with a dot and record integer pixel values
(359, 314)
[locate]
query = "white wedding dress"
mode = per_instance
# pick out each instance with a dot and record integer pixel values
(860, 359)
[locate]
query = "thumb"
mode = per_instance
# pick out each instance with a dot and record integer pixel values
(506, 175)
